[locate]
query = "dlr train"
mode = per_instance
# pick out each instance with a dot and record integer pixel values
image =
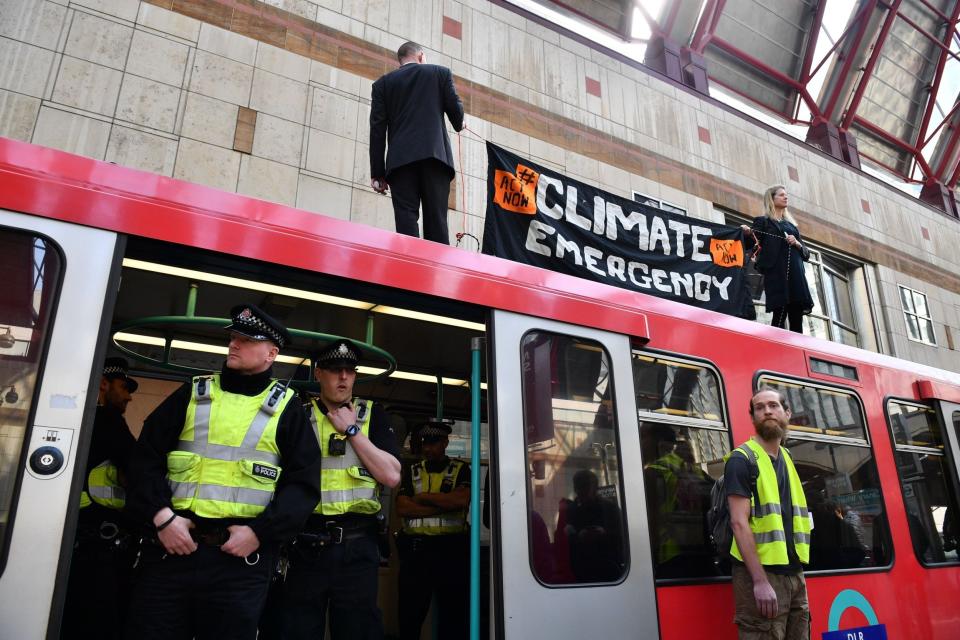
(589, 394)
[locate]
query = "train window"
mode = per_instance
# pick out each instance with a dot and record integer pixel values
(31, 268)
(682, 440)
(577, 525)
(929, 487)
(677, 388)
(828, 443)
(823, 411)
(833, 369)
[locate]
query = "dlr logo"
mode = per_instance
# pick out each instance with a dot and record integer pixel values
(855, 636)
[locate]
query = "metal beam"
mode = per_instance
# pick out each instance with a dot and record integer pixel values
(671, 19)
(897, 142)
(812, 42)
(950, 28)
(707, 26)
(834, 97)
(851, 111)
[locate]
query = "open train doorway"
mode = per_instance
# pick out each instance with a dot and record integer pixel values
(418, 369)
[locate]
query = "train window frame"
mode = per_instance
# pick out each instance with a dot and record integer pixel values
(529, 487)
(763, 376)
(758, 381)
(41, 364)
(723, 425)
(813, 359)
(951, 466)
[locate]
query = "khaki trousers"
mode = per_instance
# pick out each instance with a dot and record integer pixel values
(793, 612)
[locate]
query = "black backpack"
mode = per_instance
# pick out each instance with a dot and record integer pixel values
(718, 518)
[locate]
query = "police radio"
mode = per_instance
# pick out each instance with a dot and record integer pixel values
(337, 445)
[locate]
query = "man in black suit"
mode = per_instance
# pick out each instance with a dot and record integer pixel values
(408, 106)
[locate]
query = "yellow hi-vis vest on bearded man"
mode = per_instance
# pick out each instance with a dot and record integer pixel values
(766, 520)
(226, 464)
(440, 482)
(345, 484)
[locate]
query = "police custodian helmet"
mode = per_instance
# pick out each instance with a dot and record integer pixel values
(253, 322)
(339, 353)
(117, 369)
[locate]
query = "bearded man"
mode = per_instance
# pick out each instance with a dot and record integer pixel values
(771, 528)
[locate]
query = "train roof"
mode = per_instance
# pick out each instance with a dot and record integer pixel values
(55, 184)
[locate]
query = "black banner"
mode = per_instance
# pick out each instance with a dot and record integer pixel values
(542, 218)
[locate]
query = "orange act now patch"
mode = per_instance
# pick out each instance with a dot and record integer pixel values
(726, 253)
(517, 193)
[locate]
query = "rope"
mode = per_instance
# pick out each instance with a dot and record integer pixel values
(463, 189)
(474, 133)
(463, 185)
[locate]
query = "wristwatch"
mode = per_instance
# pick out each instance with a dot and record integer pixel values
(351, 431)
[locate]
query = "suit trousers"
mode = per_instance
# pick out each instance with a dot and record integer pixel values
(435, 566)
(205, 595)
(423, 183)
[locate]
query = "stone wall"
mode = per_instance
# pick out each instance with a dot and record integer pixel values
(271, 99)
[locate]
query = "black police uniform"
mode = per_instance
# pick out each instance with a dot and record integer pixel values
(434, 565)
(100, 569)
(334, 562)
(334, 566)
(208, 593)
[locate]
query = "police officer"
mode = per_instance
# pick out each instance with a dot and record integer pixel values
(434, 545)
(100, 568)
(227, 468)
(334, 561)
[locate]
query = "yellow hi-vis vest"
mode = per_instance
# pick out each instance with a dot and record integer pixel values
(104, 488)
(426, 482)
(345, 484)
(226, 464)
(766, 521)
(668, 466)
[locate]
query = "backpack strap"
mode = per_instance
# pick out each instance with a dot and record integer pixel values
(754, 466)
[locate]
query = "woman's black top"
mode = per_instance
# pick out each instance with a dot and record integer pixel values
(784, 278)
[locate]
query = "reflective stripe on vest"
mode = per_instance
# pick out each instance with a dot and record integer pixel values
(426, 482)
(345, 485)
(766, 518)
(226, 464)
(103, 486)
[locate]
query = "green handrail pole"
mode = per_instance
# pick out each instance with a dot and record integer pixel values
(439, 397)
(192, 300)
(476, 345)
(369, 328)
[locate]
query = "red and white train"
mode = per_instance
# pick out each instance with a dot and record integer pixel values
(589, 391)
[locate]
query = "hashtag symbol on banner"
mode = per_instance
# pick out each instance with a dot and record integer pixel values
(526, 176)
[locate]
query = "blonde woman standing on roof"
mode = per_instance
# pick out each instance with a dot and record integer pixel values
(780, 260)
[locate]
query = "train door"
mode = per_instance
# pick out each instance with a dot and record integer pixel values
(55, 279)
(573, 551)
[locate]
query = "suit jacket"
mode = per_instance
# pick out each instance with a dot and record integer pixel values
(407, 107)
